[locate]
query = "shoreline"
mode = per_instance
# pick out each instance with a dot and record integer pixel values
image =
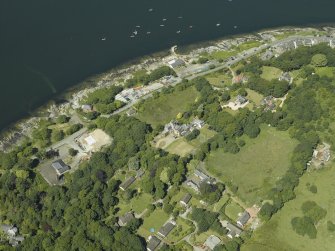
(69, 98)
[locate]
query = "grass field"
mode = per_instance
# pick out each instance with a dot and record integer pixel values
(218, 205)
(155, 221)
(277, 234)
(232, 210)
(257, 166)
(137, 204)
(255, 97)
(182, 147)
(163, 109)
(270, 73)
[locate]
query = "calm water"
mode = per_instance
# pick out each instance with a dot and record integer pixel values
(47, 46)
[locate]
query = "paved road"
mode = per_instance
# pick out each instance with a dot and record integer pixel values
(239, 57)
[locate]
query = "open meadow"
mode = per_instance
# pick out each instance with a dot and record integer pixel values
(161, 110)
(278, 235)
(257, 166)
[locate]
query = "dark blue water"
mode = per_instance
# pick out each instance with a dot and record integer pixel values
(47, 46)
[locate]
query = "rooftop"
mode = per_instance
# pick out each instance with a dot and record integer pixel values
(60, 167)
(212, 241)
(166, 229)
(127, 183)
(243, 219)
(153, 243)
(186, 199)
(125, 219)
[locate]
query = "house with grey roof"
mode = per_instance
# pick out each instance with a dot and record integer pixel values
(233, 231)
(192, 184)
(243, 219)
(186, 199)
(60, 167)
(125, 219)
(12, 234)
(175, 63)
(166, 229)
(212, 241)
(201, 175)
(127, 183)
(240, 100)
(285, 77)
(153, 243)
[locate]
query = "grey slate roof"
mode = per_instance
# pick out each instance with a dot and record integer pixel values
(201, 175)
(127, 183)
(186, 199)
(60, 167)
(125, 219)
(153, 243)
(243, 219)
(166, 229)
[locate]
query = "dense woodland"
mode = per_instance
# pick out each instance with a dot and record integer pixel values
(81, 212)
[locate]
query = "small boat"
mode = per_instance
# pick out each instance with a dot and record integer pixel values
(138, 26)
(162, 25)
(164, 19)
(132, 36)
(235, 27)
(218, 24)
(180, 17)
(150, 10)
(148, 32)
(103, 39)
(135, 32)
(178, 32)
(190, 26)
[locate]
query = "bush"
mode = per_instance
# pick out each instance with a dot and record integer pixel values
(304, 225)
(73, 152)
(319, 60)
(330, 226)
(194, 134)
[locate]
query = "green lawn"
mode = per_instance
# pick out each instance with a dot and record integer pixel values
(155, 220)
(255, 97)
(232, 210)
(257, 166)
(180, 147)
(163, 109)
(218, 205)
(277, 234)
(270, 73)
(141, 202)
(204, 136)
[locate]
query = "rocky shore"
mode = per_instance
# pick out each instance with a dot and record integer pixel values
(24, 128)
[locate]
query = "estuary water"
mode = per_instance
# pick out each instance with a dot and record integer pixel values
(47, 46)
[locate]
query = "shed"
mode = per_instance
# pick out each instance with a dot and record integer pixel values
(212, 241)
(125, 219)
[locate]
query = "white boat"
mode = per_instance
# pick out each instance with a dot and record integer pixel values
(235, 27)
(138, 26)
(178, 32)
(180, 17)
(191, 26)
(162, 25)
(132, 36)
(164, 19)
(148, 32)
(103, 39)
(218, 24)
(150, 10)
(135, 32)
